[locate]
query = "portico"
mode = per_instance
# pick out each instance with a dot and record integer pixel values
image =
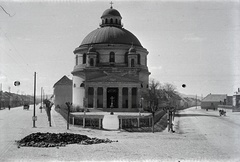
(110, 95)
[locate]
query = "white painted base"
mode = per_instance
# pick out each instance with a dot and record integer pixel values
(110, 122)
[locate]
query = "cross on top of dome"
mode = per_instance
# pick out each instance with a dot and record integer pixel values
(111, 4)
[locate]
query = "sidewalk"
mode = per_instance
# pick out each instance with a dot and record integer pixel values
(59, 124)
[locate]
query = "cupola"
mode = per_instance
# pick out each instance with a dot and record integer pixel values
(111, 17)
(91, 57)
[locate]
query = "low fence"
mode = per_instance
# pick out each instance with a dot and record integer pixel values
(95, 121)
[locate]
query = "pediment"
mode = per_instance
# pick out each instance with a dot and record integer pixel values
(113, 78)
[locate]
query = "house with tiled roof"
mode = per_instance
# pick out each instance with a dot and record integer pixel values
(236, 100)
(62, 91)
(211, 101)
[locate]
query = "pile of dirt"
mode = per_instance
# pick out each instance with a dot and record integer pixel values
(58, 140)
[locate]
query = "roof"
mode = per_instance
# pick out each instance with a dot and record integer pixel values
(111, 35)
(215, 98)
(63, 81)
(110, 12)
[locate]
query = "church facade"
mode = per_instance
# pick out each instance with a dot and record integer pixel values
(110, 69)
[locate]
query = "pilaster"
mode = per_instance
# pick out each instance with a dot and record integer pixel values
(129, 97)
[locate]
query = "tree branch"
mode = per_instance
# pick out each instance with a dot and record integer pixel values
(6, 11)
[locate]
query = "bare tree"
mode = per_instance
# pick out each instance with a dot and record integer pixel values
(170, 88)
(158, 94)
(152, 95)
(6, 11)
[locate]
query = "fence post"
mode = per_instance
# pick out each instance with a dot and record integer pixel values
(120, 123)
(84, 122)
(99, 123)
(138, 120)
(150, 121)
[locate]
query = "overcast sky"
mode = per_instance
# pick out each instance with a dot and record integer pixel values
(191, 42)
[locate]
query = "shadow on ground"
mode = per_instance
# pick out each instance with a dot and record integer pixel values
(190, 115)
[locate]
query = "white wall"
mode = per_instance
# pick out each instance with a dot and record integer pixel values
(78, 92)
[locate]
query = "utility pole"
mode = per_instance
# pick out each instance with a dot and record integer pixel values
(41, 99)
(9, 90)
(34, 100)
(196, 101)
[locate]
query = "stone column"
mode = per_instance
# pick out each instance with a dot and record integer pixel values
(120, 97)
(94, 97)
(104, 97)
(86, 98)
(129, 97)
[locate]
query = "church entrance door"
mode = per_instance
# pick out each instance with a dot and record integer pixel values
(112, 97)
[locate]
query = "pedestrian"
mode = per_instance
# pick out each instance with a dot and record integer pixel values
(9, 107)
(49, 105)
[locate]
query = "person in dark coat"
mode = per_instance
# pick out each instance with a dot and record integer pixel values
(49, 105)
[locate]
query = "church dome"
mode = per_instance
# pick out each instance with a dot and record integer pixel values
(110, 12)
(111, 35)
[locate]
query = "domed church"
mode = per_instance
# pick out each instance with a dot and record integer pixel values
(110, 69)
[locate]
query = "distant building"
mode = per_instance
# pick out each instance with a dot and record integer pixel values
(110, 68)
(62, 91)
(229, 100)
(236, 99)
(212, 101)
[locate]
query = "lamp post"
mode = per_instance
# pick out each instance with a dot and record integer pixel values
(34, 101)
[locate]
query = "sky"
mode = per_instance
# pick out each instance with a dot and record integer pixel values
(192, 42)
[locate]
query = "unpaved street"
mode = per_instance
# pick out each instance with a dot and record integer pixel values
(200, 136)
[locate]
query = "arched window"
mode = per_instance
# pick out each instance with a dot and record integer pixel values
(106, 21)
(111, 21)
(82, 85)
(91, 62)
(84, 58)
(139, 59)
(132, 63)
(116, 21)
(112, 57)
